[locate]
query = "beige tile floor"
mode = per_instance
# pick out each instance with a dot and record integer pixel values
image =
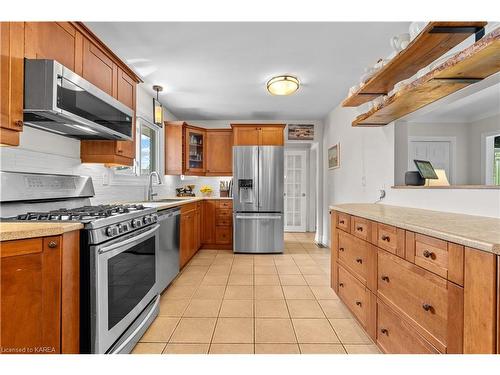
(244, 304)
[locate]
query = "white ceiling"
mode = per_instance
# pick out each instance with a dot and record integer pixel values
(219, 70)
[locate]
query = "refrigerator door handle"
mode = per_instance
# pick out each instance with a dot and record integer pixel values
(277, 217)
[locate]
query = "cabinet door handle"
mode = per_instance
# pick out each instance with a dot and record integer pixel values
(386, 238)
(385, 331)
(427, 307)
(429, 254)
(359, 260)
(359, 229)
(358, 303)
(341, 249)
(341, 285)
(385, 278)
(52, 244)
(19, 123)
(341, 221)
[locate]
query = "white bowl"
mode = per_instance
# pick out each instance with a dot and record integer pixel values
(416, 28)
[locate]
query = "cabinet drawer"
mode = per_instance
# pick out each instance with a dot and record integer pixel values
(354, 294)
(431, 254)
(391, 239)
(223, 222)
(225, 204)
(395, 336)
(343, 222)
(223, 213)
(361, 228)
(355, 255)
(429, 302)
(223, 235)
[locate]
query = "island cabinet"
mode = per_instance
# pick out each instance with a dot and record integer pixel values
(40, 286)
(258, 134)
(192, 150)
(414, 293)
(190, 232)
(217, 224)
(77, 48)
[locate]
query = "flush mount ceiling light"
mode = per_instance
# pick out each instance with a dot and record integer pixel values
(283, 85)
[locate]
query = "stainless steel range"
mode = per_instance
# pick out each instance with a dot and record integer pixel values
(118, 254)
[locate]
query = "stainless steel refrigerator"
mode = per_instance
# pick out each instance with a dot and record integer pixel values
(258, 175)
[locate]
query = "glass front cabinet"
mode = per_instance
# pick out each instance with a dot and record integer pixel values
(195, 151)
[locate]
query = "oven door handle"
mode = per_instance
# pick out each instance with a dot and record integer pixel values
(135, 239)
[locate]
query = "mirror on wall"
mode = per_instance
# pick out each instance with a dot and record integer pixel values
(461, 139)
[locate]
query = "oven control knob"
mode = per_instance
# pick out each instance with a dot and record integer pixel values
(136, 223)
(147, 219)
(154, 218)
(111, 231)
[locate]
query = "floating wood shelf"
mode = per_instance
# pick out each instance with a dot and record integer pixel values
(471, 65)
(436, 39)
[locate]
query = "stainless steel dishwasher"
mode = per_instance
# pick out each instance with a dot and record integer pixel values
(168, 256)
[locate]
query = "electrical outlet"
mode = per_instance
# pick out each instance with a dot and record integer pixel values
(105, 179)
(382, 194)
(363, 181)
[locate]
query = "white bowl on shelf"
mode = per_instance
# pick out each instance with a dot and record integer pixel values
(416, 28)
(363, 108)
(400, 42)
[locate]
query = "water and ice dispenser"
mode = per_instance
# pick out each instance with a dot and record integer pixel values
(246, 191)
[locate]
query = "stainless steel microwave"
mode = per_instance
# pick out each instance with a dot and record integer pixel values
(58, 100)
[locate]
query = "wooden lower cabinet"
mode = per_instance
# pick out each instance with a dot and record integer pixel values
(413, 293)
(217, 224)
(396, 336)
(190, 232)
(40, 289)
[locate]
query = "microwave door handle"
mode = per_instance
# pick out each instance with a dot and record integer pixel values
(131, 240)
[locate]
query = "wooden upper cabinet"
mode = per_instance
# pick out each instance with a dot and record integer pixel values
(219, 147)
(58, 41)
(12, 83)
(195, 151)
(258, 135)
(246, 135)
(125, 89)
(98, 68)
(272, 135)
(174, 145)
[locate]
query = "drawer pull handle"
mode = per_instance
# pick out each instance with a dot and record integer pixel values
(341, 221)
(429, 254)
(359, 229)
(341, 249)
(385, 331)
(427, 307)
(358, 303)
(385, 278)
(341, 285)
(52, 244)
(386, 238)
(359, 260)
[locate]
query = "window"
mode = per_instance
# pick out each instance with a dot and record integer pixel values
(148, 136)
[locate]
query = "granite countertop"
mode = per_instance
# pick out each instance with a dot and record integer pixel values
(20, 230)
(478, 232)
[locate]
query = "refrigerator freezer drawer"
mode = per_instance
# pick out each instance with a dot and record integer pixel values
(258, 232)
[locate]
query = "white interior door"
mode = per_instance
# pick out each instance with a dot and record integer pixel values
(295, 190)
(437, 152)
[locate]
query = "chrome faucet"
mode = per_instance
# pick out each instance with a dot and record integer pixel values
(151, 194)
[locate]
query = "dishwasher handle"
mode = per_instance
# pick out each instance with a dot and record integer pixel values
(163, 215)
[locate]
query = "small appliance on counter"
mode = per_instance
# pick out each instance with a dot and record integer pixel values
(425, 172)
(186, 191)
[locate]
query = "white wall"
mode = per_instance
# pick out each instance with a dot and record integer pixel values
(43, 152)
(367, 165)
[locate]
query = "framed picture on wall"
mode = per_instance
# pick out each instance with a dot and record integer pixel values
(301, 132)
(334, 156)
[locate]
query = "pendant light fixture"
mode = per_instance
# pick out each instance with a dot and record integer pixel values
(283, 85)
(157, 107)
